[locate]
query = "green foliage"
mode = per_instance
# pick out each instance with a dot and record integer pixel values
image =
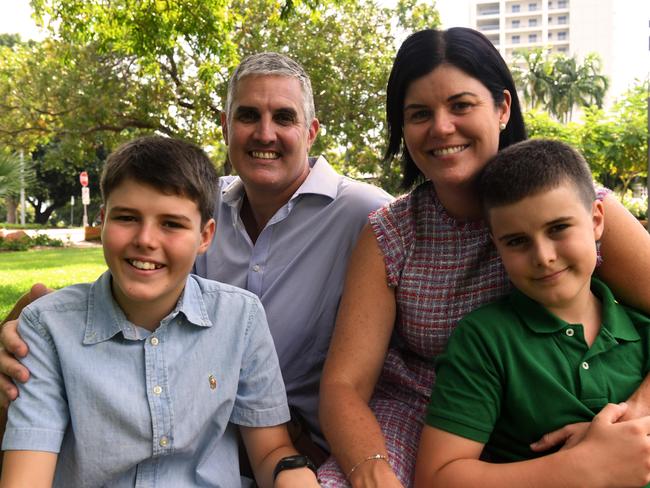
(110, 71)
(559, 83)
(637, 206)
(55, 267)
(614, 143)
(27, 242)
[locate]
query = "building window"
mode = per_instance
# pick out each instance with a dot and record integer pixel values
(515, 8)
(550, 4)
(515, 24)
(515, 39)
(561, 36)
(532, 37)
(561, 19)
(562, 49)
(550, 36)
(561, 4)
(532, 22)
(532, 7)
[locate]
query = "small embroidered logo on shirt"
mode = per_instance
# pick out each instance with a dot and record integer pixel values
(213, 382)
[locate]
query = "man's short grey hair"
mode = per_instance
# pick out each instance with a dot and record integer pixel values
(272, 64)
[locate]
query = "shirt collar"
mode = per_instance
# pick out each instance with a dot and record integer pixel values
(614, 317)
(321, 180)
(105, 318)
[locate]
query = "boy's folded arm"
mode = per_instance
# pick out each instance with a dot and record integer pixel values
(266, 446)
(28, 469)
(612, 454)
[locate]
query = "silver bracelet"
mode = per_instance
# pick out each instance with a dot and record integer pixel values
(374, 457)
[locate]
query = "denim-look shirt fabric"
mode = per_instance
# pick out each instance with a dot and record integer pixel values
(126, 407)
(296, 267)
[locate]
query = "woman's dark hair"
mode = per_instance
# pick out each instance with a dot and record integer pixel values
(466, 49)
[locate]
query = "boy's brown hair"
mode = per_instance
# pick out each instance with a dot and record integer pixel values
(172, 166)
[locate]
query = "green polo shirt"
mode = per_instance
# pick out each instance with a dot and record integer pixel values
(513, 371)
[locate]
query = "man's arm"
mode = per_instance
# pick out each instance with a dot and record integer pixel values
(265, 447)
(611, 455)
(28, 469)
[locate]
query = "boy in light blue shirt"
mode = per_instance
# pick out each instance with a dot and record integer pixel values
(144, 377)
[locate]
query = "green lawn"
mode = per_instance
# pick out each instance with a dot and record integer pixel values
(56, 267)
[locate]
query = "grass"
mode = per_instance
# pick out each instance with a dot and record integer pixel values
(54, 267)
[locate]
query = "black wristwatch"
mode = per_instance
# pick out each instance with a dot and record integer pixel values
(293, 462)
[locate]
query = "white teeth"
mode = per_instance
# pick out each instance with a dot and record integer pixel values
(265, 154)
(448, 150)
(144, 264)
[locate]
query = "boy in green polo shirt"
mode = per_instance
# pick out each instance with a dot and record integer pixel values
(555, 351)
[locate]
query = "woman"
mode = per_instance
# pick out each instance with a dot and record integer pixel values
(426, 260)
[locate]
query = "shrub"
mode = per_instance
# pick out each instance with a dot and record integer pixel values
(637, 206)
(26, 242)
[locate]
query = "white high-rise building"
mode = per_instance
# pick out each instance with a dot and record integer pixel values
(618, 30)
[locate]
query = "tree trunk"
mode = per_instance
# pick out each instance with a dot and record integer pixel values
(12, 207)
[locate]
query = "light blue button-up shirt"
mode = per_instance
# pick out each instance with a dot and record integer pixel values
(126, 407)
(297, 268)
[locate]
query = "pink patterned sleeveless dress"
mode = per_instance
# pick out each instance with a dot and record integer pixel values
(441, 269)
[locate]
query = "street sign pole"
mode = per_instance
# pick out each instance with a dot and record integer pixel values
(85, 195)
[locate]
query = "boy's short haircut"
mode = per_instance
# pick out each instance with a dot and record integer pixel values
(172, 166)
(530, 167)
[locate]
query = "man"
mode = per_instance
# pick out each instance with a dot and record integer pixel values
(285, 226)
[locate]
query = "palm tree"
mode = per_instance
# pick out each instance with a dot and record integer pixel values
(10, 174)
(559, 83)
(532, 72)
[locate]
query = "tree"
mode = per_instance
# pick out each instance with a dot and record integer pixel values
(112, 70)
(559, 83)
(532, 73)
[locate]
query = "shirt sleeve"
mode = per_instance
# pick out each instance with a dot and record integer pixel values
(466, 398)
(392, 228)
(261, 397)
(39, 416)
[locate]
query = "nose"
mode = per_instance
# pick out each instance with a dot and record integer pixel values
(544, 253)
(146, 236)
(443, 124)
(264, 130)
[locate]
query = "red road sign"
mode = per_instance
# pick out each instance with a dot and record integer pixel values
(83, 178)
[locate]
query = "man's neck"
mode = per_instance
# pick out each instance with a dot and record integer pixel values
(259, 207)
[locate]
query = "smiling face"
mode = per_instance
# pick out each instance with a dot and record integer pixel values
(451, 125)
(267, 135)
(547, 243)
(150, 241)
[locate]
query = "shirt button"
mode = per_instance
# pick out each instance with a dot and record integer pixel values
(163, 441)
(157, 390)
(570, 332)
(154, 341)
(256, 268)
(585, 365)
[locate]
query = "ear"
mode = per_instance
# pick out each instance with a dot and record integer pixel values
(598, 219)
(504, 107)
(224, 126)
(312, 132)
(207, 233)
(102, 214)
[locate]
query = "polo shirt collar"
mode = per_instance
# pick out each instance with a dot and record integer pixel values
(615, 319)
(105, 318)
(321, 180)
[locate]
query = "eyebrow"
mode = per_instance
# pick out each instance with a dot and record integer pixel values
(449, 99)
(559, 220)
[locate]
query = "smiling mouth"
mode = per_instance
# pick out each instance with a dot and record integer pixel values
(446, 151)
(145, 265)
(550, 276)
(265, 154)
